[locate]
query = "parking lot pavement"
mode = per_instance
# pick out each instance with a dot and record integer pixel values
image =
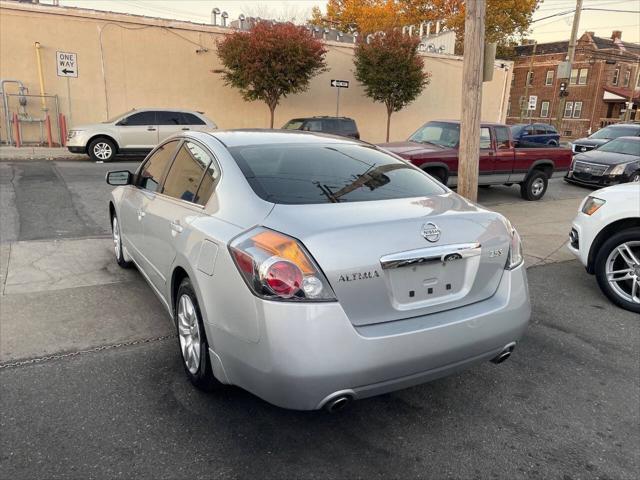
(564, 406)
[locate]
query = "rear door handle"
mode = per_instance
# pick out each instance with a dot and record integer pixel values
(186, 128)
(176, 227)
(151, 129)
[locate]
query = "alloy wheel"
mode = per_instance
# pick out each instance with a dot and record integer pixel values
(622, 269)
(537, 187)
(116, 237)
(102, 150)
(189, 333)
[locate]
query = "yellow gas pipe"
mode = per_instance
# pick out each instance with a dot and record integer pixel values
(43, 100)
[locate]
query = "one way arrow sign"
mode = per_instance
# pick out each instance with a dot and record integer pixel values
(340, 83)
(67, 64)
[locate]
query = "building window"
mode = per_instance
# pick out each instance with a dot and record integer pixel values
(568, 109)
(544, 109)
(529, 78)
(616, 76)
(549, 79)
(582, 77)
(574, 76)
(626, 78)
(577, 109)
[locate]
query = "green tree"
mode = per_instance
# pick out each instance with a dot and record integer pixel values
(271, 61)
(391, 70)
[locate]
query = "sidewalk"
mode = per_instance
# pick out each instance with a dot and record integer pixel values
(8, 153)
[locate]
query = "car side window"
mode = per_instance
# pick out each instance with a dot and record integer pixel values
(209, 180)
(313, 126)
(150, 176)
(141, 118)
(485, 138)
(169, 118)
(186, 172)
(502, 138)
(191, 119)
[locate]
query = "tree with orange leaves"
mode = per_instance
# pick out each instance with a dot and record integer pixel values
(505, 18)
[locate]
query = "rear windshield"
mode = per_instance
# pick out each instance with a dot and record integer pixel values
(330, 173)
(625, 146)
(439, 133)
(615, 132)
(293, 125)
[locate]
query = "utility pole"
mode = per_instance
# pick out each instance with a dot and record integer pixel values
(571, 54)
(526, 82)
(472, 68)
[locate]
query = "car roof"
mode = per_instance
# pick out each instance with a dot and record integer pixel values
(483, 124)
(328, 117)
(181, 110)
(258, 136)
(633, 139)
(627, 125)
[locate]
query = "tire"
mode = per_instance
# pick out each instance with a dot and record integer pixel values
(102, 149)
(485, 186)
(635, 177)
(552, 143)
(439, 174)
(116, 235)
(535, 186)
(190, 328)
(610, 258)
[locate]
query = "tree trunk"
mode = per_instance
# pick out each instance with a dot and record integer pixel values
(388, 122)
(272, 110)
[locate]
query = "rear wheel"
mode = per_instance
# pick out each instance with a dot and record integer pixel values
(617, 269)
(194, 347)
(439, 174)
(635, 177)
(535, 186)
(102, 150)
(552, 143)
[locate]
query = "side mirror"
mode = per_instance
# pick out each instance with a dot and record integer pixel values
(119, 177)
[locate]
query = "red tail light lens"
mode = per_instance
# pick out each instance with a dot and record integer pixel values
(277, 267)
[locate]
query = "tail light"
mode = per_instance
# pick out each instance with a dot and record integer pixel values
(278, 267)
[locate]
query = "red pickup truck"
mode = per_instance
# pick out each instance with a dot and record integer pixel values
(434, 148)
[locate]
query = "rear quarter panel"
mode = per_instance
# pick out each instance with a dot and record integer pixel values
(527, 158)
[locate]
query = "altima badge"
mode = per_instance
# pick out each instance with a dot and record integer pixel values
(430, 232)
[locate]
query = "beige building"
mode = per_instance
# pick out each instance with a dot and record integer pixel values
(128, 61)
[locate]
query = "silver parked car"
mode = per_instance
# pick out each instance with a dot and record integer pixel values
(312, 270)
(134, 132)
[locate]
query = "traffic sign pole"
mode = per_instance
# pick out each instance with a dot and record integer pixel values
(338, 103)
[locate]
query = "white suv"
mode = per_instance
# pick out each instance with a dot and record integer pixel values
(137, 131)
(606, 238)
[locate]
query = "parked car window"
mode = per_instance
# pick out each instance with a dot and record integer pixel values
(551, 129)
(313, 126)
(331, 125)
(348, 127)
(191, 119)
(625, 146)
(209, 180)
(615, 132)
(150, 176)
(141, 118)
(439, 133)
(293, 125)
(329, 173)
(485, 138)
(168, 118)
(540, 130)
(186, 172)
(502, 137)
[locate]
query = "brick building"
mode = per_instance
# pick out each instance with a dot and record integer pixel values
(604, 76)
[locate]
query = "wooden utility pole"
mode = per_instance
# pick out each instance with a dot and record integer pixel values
(571, 54)
(526, 83)
(469, 152)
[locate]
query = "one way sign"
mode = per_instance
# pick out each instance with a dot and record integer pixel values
(340, 83)
(67, 64)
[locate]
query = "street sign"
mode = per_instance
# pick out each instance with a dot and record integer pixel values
(533, 101)
(340, 83)
(67, 64)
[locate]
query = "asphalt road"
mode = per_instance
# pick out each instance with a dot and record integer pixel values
(565, 406)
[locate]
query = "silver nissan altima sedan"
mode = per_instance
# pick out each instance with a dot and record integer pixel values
(313, 270)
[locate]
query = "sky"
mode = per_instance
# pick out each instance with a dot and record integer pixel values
(543, 30)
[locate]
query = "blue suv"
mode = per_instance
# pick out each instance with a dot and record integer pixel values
(535, 133)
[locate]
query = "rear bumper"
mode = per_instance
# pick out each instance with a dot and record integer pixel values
(308, 353)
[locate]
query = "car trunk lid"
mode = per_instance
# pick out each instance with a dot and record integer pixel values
(384, 262)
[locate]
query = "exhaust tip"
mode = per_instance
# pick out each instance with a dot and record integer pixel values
(504, 354)
(336, 404)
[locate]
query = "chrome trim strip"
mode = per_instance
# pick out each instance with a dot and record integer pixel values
(442, 253)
